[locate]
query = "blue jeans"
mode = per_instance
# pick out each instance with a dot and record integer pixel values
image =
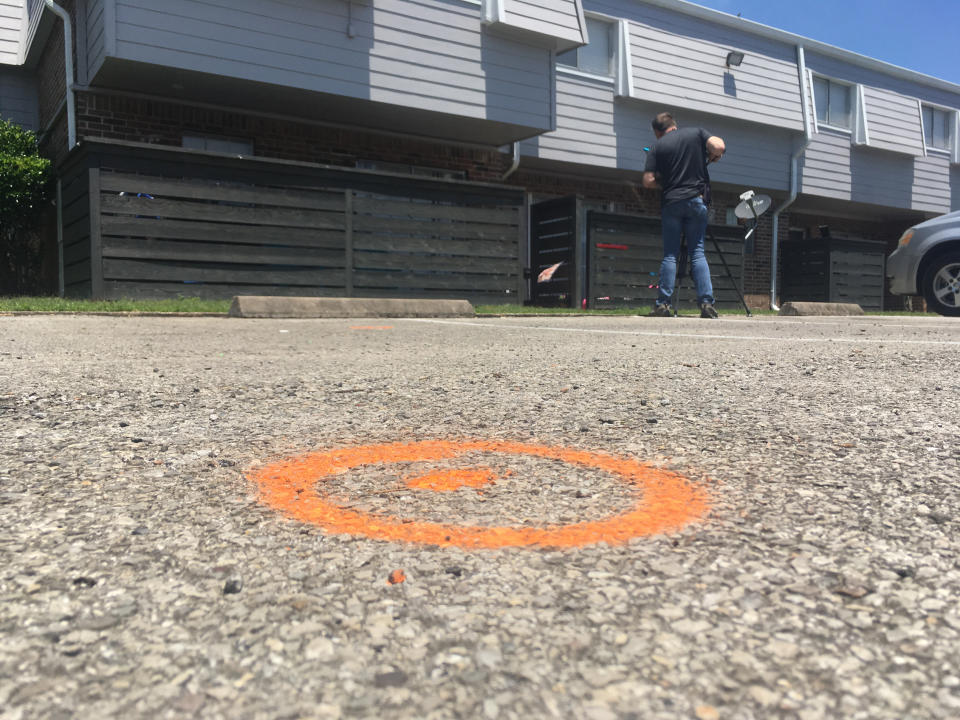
(684, 218)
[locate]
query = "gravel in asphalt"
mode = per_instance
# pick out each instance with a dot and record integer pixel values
(142, 577)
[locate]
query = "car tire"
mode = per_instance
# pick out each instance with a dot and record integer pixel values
(940, 284)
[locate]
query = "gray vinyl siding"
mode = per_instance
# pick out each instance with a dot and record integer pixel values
(892, 170)
(893, 115)
(893, 121)
(11, 30)
(594, 129)
(425, 54)
(96, 35)
(555, 18)
(833, 168)
(679, 62)
(18, 98)
(931, 184)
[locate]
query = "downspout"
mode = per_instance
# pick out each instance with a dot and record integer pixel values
(794, 175)
(516, 161)
(68, 70)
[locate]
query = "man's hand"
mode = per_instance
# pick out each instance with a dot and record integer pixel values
(650, 181)
(715, 148)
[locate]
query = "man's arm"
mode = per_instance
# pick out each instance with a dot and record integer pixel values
(650, 181)
(715, 148)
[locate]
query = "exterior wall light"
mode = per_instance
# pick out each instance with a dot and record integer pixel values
(734, 58)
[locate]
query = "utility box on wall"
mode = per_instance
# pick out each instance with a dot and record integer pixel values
(834, 270)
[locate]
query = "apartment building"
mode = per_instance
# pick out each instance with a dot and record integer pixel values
(532, 118)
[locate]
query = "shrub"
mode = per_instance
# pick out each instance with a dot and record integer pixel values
(24, 190)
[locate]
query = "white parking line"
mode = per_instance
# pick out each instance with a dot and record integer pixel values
(694, 336)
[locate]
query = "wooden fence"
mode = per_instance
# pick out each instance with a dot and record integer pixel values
(624, 262)
(146, 221)
(834, 270)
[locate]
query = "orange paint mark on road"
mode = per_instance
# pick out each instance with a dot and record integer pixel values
(448, 480)
(666, 501)
(396, 577)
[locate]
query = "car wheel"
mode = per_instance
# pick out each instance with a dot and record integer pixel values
(940, 284)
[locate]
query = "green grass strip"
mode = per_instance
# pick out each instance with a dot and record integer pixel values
(56, 304)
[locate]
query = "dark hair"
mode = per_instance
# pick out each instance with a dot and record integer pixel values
(663, 122)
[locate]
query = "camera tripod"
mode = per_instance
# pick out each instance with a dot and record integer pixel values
(751, 207)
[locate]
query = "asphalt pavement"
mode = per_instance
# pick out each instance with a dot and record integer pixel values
(526, 517)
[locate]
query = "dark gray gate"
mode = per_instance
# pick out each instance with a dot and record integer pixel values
(553, 239)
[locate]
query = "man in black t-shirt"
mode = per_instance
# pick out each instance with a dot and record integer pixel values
(677, 165)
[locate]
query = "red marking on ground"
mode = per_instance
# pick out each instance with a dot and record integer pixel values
(666, 501)
(448, 480)
(612, 246)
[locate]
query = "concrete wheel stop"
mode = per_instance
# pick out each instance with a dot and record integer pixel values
(269, 306)
(820, 308)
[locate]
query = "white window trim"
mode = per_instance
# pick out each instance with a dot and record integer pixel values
(953, 120)
(622, 60)
(813, 104)
(567, 70)
(861, 130)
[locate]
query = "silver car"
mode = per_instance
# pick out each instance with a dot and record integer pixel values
(927, 262)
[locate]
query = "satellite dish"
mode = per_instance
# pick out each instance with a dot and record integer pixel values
(752, 205)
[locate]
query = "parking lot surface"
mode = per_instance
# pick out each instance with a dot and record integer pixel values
(223, 518)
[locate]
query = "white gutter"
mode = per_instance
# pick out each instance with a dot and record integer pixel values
(516, 161)
(68, 70)
(794, 175)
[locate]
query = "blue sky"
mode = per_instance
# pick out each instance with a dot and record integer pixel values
(919, 35)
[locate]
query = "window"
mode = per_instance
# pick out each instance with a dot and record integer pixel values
(597, 57)
(832, 100)
(936, 128)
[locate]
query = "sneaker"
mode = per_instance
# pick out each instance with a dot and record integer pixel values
(707, 310)
(664, 310)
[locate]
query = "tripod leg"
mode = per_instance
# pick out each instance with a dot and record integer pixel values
(726, 267)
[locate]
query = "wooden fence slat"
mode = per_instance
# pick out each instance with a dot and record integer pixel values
(381, 207)
(184, 210)
(428, 228)
(77, 273)
(167, 271)
(409, 280)
(474, 295)
(214, 291)
(169, 188)
(444, 246)
(204, 231)
(96, 257)
(76, 251)
(152, 249)
(396, 261)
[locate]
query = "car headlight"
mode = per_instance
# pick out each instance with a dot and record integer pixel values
(906, 238)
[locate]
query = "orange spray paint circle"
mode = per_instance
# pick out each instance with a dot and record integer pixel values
(666, 501)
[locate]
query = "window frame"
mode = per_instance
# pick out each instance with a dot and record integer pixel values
(950, 120)
(853, 99)
(613, 41)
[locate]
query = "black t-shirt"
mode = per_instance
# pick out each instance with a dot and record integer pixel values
(680, 160)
